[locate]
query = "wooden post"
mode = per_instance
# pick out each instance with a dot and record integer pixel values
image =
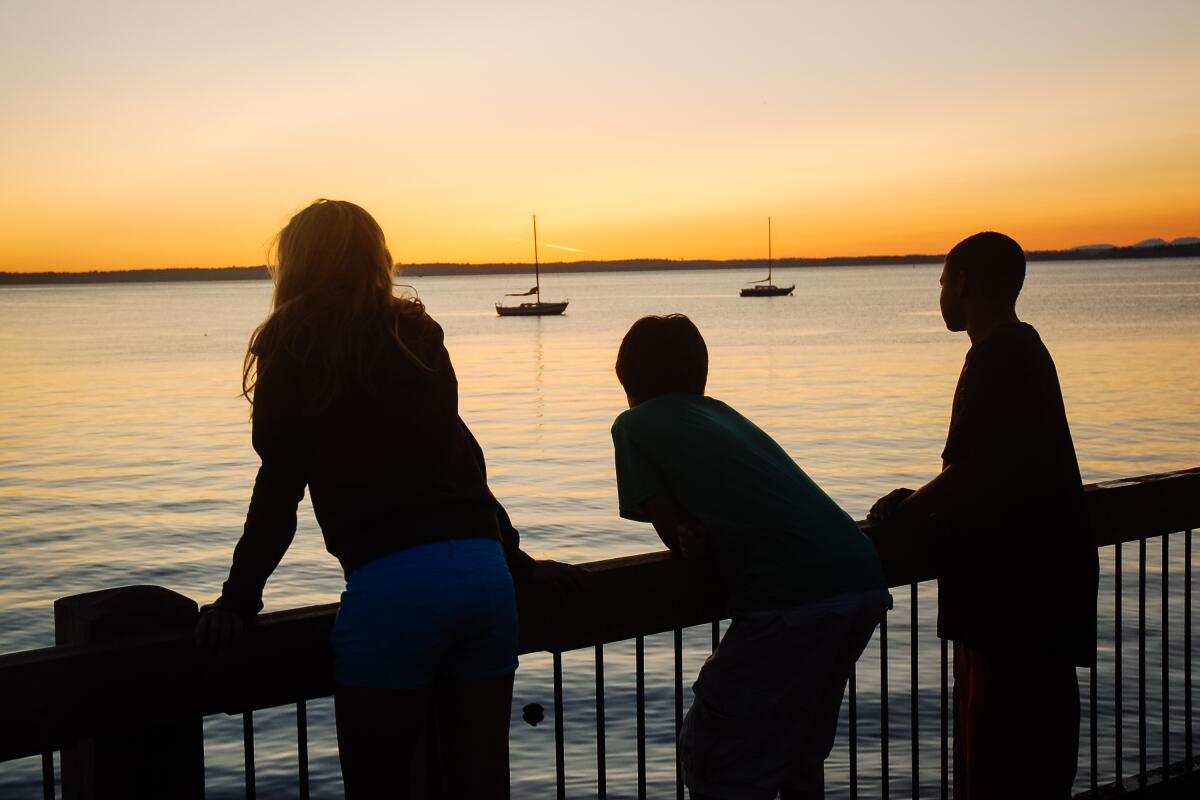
(140, 762)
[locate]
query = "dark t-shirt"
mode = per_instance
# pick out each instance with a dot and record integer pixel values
(777, 539)
(388, 465)
(1020, 571)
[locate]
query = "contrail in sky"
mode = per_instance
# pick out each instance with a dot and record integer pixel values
(555, 246)
(572, 249)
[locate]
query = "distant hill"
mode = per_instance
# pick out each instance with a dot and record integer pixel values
(1146, 249)
(1187, 247)
(1182, 241)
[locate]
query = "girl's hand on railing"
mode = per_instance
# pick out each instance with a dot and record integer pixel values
(217, 629)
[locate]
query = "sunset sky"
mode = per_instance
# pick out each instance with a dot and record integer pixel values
(163, 134)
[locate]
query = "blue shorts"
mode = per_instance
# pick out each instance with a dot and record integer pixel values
(442, 609)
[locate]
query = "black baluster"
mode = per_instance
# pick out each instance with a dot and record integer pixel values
(914, 706)
(560, 764)
(640, 675)
(601, 766)
(853, 733)
(248, 749)
(1166, 672)
(1187, 648)
(48, 775)
(1093, 716)
(1117, 678)
(1142, 661)
(302, 747)
(955, 758)
(945, 719)
(678, 710)
(883, 708)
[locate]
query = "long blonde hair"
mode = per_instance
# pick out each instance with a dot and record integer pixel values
(333, 306)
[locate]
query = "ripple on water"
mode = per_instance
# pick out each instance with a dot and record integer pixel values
(125, 458)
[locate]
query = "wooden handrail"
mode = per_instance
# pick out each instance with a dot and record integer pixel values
(54, 696)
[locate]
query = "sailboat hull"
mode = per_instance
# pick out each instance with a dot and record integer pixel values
(768, 291)
(532, 309)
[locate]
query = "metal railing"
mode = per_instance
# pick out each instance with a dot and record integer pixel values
(75, 696)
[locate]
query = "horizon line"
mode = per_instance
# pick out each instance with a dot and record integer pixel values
(450, 269)
(1087, 251)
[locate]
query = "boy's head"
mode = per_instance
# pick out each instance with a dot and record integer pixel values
(988, 270)
(660, 355)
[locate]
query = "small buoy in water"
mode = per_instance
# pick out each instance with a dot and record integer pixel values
(533, 713)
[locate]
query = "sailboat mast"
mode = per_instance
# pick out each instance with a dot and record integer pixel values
(768, 250)
(537, 278)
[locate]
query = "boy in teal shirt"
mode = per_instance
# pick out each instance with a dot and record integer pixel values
(805, 586)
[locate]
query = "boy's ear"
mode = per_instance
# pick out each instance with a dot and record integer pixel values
(960, 284)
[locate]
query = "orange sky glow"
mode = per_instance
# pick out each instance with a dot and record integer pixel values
(174, 135)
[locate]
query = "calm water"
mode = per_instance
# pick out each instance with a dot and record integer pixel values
(125, 456)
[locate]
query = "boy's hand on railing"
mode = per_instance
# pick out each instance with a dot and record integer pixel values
(565, 579)
(888, 505)
(693, 543)
(217, 629)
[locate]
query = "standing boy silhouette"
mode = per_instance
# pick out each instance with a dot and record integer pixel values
(1018, 572)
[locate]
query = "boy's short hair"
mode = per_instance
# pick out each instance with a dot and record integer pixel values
(660, 355)
(994, 262)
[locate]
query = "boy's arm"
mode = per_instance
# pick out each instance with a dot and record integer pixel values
(992, 417)
(682, 535)
(962, 483)
(643, 496)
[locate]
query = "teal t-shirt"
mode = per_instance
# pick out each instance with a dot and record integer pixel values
(776, 537)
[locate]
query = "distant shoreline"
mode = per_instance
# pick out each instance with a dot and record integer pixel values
(628, 265)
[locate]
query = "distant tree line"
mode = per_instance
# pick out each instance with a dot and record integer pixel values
(139, 275)
(628, 265)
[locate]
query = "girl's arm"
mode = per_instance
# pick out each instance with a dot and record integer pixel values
(279, 437)
(520, 563)
(268, 532)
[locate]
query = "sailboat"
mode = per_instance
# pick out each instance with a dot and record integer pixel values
(536, 308)
(769, 289)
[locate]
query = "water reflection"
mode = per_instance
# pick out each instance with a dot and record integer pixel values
(125, 454)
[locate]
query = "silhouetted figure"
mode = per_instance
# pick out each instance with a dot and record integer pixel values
(1018, 572)
(805, 586)
(354, 397)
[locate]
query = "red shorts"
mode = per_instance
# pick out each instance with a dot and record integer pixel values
(1016, 729)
